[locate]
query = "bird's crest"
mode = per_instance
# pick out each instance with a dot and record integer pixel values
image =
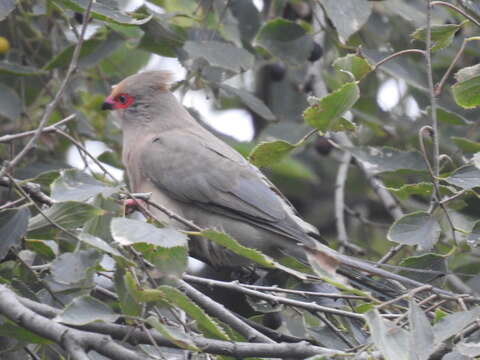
(158, 80)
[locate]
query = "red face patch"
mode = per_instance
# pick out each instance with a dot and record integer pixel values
(122, 101)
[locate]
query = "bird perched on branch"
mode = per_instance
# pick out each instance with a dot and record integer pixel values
(196, 175)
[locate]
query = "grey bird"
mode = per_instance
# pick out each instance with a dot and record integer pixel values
(198, 176)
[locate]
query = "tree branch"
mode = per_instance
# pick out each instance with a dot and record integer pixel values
(135, 336)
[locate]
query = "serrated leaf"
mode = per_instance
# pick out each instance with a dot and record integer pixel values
(286, 40)
(251, 101)
(13, 227)
(103, 10)
(392, 341)
(252, 254)
(441, 35)
(166, 248)
(331, 108)
(68, 214)
(453, 324)
(418, 228)
(174, 334)
(421, 332)
(466, 177)
(386, 159)
(78, 186)
(267, 154)
(220, 54)
(84, 310)
(161, 37)
(128, 232)
(354, 64)
(466, 91)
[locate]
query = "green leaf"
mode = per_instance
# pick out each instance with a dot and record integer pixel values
(418, 228)
(75, 267)
(68, 214)
(103, 10)
(166, 248)
(354, 64)
(421, 332)
(392, 341)
(128, 303)
(423, 188)
(91, 53)
(10, 330)
(128, 232)
(449, 117)
(76, 185)
(252, 254)
(286, 40)
(441, 35)
(466, 145)
(267, 154)
(162, 38)
(434, 262)
(453, 324)
(220, 54)
(205, 323)
(251, 101)
(174, 334)
(84, 310)
(466, 90)
(17, 69)
(473, 239)
(331, 108)
(386, 159)
(466, 177)
(347, 16)
(99, 244)
(10, 103)
(13, 227)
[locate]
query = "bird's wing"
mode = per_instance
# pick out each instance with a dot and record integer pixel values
(206, 172)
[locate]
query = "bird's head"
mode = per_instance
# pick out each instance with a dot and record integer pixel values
(137, 89)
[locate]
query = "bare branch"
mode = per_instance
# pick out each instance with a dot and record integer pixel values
(51, 128)
(220, 312)
(72, 340)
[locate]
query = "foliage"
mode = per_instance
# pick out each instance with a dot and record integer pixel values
(390, 183)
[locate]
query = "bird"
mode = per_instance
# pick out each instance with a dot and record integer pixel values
(196, 175)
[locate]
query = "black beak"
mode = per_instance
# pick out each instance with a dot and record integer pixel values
(107, 106)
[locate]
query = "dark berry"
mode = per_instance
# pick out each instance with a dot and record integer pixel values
(276, 71)
(316, 53)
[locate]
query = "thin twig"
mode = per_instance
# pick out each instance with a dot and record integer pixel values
(220, 312)
(399, 53)
(52, 105)
(51, 128)
(279, 299)
(439, 86)
(340, 198)
(457, 9)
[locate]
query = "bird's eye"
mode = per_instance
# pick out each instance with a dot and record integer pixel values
(123, 101)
